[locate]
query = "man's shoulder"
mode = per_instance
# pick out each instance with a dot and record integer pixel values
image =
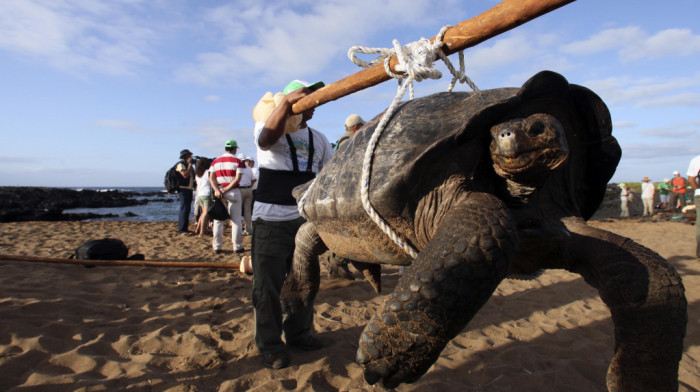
(224, 158)
(694, 167)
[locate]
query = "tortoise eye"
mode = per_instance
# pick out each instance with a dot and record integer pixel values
(537, 128)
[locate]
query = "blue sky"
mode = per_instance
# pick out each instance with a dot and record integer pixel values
(106, 93)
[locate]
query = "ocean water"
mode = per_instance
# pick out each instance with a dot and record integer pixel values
(163, 207)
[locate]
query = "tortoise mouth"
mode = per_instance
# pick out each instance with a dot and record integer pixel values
(536, 160)
(546, 157)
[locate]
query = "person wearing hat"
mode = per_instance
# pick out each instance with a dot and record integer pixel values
(225, 176)
(694, 181)
(677, 191)
(338, 266)
(352, 124)
(287, 157)
(625, 196)
(246, 187)
(250, 162)
(647, 197)
(664, 189)
(186, 169)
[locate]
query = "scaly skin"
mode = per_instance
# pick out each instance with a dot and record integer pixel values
(646, 298)
(304, 279)
(552, 153)
(450, 280)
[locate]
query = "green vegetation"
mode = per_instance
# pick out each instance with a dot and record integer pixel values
(635, 186)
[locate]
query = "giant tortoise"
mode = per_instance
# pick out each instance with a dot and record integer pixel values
(484, 185)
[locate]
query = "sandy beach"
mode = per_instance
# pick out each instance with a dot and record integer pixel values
(70, 328)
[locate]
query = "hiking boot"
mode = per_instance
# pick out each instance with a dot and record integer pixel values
(239, 250)
(306, 343)
(276, 361)
(218, 251)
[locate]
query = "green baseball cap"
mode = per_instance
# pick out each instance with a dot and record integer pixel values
(297, 84)
(231, 143)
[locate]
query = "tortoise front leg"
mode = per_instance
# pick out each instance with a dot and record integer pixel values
(437, 295)
(301, 285)
(647, 302)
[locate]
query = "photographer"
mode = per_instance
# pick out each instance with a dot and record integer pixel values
(186, 169)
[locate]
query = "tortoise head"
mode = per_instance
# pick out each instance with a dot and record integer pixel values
(526, 150)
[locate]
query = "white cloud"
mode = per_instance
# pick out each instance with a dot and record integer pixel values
(212, 98)
(632, 43)
(76, 36)
(669, 132)
(670, 151)
(515, 48)
(280, 41)
(671, 42)
(212, 134)
(604, 40)
(127, 126)
(624, 124)
(646, 92)
(675, 100)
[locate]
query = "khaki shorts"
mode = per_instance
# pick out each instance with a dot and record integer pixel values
(205, 201)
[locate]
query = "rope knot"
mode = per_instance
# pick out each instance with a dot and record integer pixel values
(415, 63)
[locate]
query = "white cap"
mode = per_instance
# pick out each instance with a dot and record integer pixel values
(240, 156)
(353, 120)
(249, 158)
(675, 172)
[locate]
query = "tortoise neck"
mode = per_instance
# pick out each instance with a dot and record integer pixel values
(517, 194)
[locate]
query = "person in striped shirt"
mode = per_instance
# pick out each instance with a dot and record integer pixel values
(225, 176)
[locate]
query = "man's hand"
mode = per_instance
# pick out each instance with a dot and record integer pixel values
(274, 125)
(295, 96)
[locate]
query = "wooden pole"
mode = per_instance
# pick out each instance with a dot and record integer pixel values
(121, 263)
(503, 17)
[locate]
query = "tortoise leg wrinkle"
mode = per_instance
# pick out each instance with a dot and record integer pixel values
(450, 280)
(647, 301)
(301, 286)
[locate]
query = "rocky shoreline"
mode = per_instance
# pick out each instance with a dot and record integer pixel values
(21, 204)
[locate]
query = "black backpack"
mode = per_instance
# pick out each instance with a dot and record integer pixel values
(172, 179)
(104, 249)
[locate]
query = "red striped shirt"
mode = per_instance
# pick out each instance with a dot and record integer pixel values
(225, 168)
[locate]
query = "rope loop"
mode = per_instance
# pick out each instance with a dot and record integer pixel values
(415, 62)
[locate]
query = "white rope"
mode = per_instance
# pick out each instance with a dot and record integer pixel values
(415, 63)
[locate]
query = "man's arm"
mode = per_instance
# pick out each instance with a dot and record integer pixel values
(693, 181)
(188, 169)
(233, 183)
(274, 125)
(213, 183)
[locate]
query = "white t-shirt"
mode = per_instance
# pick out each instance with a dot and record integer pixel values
(256, 176)
(693, 170)
(278, 157)
(246, 177)
(647, 190)
(203, 185)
